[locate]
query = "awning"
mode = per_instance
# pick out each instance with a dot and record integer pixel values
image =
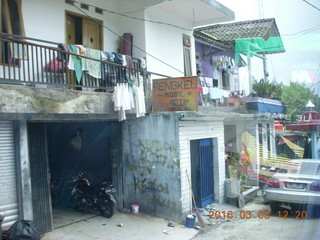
(246, 37)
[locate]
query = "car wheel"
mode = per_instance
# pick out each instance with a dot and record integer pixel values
(274, 206)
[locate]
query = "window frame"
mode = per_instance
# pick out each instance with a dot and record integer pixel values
(12, 51)
(187, 55)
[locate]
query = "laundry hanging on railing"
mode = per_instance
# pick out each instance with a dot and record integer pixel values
(111, 74)
(75, 62)
(126, 97)
(93, 67)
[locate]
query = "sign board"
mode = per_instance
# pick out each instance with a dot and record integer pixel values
(175, 94)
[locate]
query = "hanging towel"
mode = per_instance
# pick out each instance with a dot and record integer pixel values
(93, 67)
(75, 63)
(215, 93)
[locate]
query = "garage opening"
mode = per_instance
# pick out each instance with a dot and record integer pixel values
(92, 148)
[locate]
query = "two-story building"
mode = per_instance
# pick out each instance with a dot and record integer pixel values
(75, 86)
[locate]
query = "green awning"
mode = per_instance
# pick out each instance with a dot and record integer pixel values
(250, 46)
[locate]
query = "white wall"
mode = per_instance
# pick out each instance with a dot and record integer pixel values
(45, 19)
(161, 44)
(191, 130)
(165, 43)
(137, 28)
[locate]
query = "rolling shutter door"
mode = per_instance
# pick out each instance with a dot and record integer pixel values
(8, 185)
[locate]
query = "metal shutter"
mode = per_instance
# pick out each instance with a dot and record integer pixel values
(8, 185)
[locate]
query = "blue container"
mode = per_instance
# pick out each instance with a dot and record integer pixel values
(263, 105)
(190, 221)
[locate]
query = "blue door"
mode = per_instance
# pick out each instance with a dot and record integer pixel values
(206, 171)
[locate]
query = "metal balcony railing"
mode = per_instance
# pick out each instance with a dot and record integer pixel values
(28, 61)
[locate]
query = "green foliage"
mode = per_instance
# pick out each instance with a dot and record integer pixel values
(296, 96)
(266, 89)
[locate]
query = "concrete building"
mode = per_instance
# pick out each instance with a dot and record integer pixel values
(55, 123)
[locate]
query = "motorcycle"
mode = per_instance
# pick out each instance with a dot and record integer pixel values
(55, 185)
(92, 197)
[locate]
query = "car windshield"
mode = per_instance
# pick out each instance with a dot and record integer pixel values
(309, 168)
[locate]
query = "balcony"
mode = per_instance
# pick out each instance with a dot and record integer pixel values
(40, 74)
(43, 64)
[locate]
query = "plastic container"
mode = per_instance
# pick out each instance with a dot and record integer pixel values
(190, 221)
(135, 209)
(232, 187)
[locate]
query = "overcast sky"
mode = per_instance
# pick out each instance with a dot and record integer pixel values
(299, 25)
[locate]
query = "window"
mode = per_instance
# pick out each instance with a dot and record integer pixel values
(187, 55)
(11, 23)
(225, 80)
(198, 62)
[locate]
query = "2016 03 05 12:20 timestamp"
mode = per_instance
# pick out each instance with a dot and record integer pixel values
(257, 215)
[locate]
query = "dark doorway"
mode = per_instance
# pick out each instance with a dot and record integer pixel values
(202, 171)
(60, 150)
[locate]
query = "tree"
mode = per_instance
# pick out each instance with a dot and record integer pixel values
(266, 89)
(296, 96)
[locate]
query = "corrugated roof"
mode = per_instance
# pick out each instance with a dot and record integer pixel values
(228, 33)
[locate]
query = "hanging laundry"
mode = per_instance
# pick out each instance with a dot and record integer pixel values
(118, 58)
(121, 98)
(93, 67)
(215, 93)
(108, 71)
(75, 63)
(61, 56)
(81, 48)
(140, 101)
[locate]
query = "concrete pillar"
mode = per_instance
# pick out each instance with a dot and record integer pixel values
(25, 172)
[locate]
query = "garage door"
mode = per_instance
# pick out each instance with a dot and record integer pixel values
(8, 186)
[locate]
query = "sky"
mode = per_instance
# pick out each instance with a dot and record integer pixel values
(299, 25)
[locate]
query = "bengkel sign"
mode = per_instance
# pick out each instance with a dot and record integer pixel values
(175, 94)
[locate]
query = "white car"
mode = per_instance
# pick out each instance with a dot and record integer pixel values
(285, 190)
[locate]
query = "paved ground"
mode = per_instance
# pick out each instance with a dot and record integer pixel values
(141, 226)
(135, 227)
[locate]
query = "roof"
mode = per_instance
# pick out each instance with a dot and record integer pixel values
(263, 33)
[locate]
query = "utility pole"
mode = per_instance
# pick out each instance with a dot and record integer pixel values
(261, 16)
(261, 11)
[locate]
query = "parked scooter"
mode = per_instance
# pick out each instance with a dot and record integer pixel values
(86, 197)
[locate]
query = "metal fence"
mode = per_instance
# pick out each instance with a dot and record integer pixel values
(28, 61)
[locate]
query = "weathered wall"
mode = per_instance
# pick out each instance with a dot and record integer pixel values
(26, 102)
(151, 165)
(43, 100)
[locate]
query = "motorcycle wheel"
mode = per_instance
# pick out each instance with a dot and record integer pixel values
(106, 208)
(79, 204)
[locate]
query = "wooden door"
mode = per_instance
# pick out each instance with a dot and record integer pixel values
(71, 30)
(91, 34)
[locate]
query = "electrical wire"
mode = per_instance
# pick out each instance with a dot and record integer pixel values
(136, 18)
(311, 5)
(127, 40)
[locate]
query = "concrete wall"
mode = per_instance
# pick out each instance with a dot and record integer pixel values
(151, 165)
